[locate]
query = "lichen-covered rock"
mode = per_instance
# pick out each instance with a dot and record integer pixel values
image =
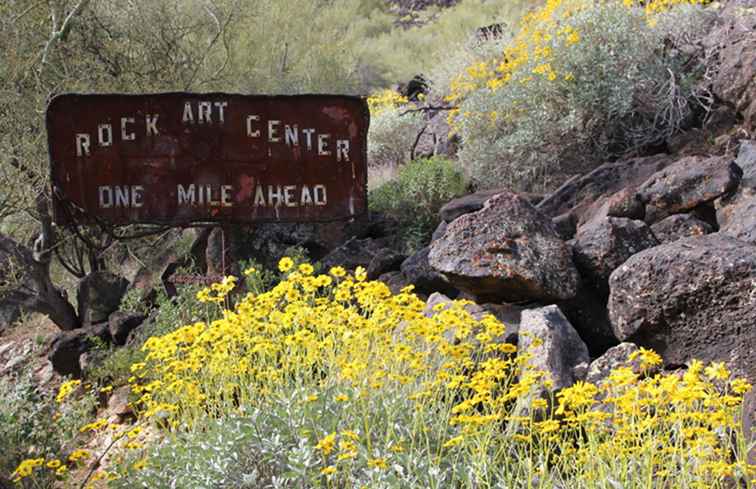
(505, 252)
(604, 244)
(692, 298)
(687, 184)
(552, 345)
(679, 226)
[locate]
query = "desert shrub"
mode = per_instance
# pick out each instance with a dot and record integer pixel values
(393, 129)
(414, 197)
(31, 423)
(578, 83)
(331, 380)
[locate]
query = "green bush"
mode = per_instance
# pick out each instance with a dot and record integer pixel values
(29, 425)
(417, 193)
(579, 83)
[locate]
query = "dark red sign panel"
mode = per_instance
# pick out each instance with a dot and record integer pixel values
(179, 158)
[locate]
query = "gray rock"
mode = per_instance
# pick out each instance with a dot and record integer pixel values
(747, 159)
(604, 244)
(418, 272)
(692, 298)
(440, 230)
(687, 184)
(395, 281)
(508, 314)
(560, 351)
(505, 252)
(615, 357)
(679, 226)
(99, 294)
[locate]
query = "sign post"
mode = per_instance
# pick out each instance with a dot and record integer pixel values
(179, 159)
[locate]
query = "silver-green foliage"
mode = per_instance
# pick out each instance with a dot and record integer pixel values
(632, 83)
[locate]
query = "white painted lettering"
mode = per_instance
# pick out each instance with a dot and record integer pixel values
(82, 144)
(323, 144)
(137, 192)
(342, 150)
(125, 134)
(106, 197)
(259, 196)
(226, 196)
(105, 134)
(121, 196)
(272, 136)
(292, 135)
(205, 113)
(250, 119)
(151, 121)
(221, 110)
(210, 200)
(321, 198)
(306, 197)
(289, 195)
(188, 117)
(186, 195)
(308, 133)
(277, 195)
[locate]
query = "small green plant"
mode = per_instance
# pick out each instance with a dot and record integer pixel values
(415, 196)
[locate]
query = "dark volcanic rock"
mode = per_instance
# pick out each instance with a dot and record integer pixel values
(579, 193)
(440, 230)
(99, 294)
(417, 270)
(466, 204)
(384, 261)
(615, 357)
(560, 350)
(625, 203)
(736, 215)
(687, 184)
(693, 298)
(121, 324)
(505, 252)
(679, 226)
(354, 253)
(747, 160)
(588, 314)
(395, 281)
(565, 226)
(733, 82)
(68, 346)
(603, 245)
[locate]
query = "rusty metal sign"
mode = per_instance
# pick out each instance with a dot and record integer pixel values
(180, 158)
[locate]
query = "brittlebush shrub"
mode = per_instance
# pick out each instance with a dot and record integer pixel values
(579, 81)
(416, 194)
(330, 380)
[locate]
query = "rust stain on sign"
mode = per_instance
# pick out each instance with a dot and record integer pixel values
(180, 158)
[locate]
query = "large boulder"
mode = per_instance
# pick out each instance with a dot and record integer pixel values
(99, 294)
(508, 314)
(733, 82)
(122, 323)
(506, 252)
(692, 298)
(604, 244)
(417, 271)
(739, 218)
(579, 193)
(67, 347)
(687, 184)
(552, 346)
(679, 226)
(474, 202)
